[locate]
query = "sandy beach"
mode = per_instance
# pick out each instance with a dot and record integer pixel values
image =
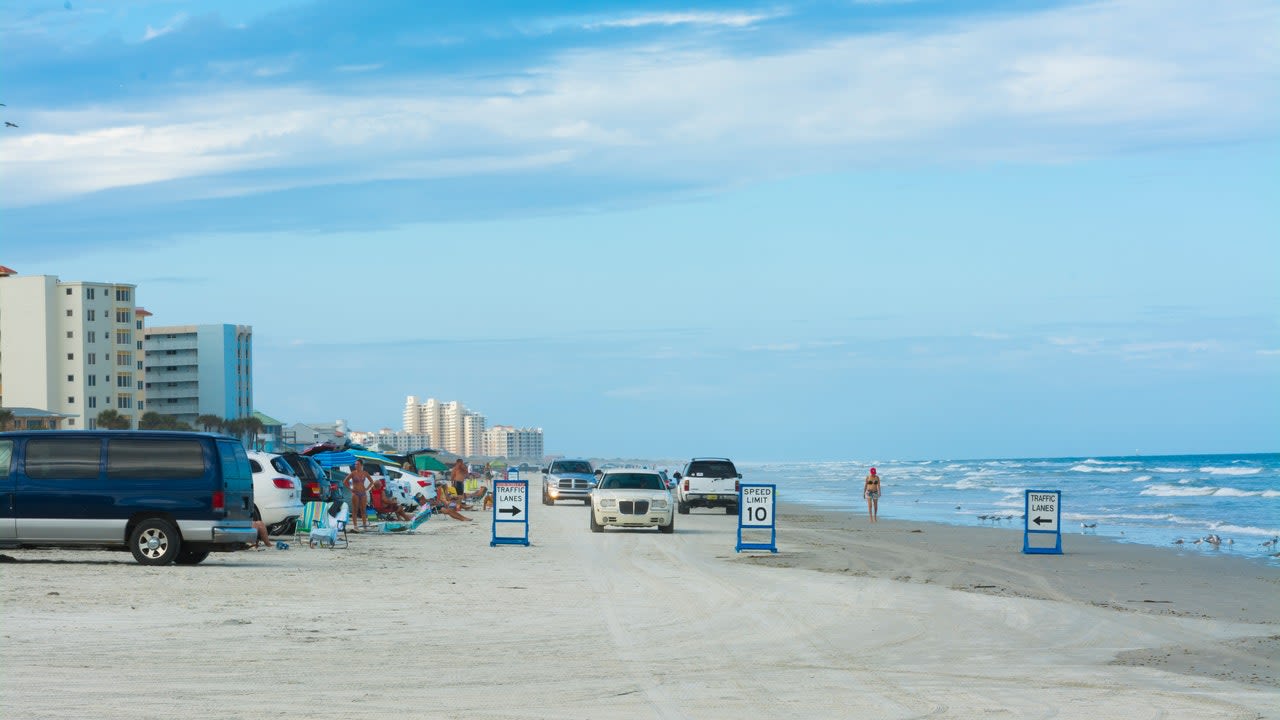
(893, 620)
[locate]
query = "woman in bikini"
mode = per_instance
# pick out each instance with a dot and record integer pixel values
(358, 483)
(871, 491)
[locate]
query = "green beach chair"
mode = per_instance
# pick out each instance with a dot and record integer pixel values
(311, 512)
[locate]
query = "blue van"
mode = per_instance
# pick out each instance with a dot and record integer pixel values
(169, 497)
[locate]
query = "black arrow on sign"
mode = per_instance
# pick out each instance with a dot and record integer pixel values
(512, 511)
(1039, 520)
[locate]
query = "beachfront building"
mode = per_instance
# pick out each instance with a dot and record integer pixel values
(304, 434)
(451, 425)
(71, 348)
(194, 370)
(513, 443)
(388, 440)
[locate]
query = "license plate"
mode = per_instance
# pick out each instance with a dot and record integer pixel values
(712, 497)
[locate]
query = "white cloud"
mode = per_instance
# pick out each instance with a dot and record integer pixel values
(738, 19)
(1044, 87)
(174, 23)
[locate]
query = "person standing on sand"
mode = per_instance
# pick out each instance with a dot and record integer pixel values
(458, 476)
(358, 483)
(871, 491)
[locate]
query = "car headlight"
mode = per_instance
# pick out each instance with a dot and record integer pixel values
(608, 503)
(660, 504)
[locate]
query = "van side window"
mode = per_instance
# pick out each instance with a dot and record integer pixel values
(6, 457)
(235, 463)
(63, 458)
(158, 458)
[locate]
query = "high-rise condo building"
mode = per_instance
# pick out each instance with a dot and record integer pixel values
(451, 425)
(194, 370)
(513, 443)
(73, 348)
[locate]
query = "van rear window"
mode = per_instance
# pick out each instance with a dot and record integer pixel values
(154, 458)
(63, 458)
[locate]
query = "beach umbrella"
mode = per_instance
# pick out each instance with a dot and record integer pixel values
(334, 459)
(370, 456)
(428, 462)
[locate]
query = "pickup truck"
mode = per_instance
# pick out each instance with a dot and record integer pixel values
(567, 480)
(707, 482)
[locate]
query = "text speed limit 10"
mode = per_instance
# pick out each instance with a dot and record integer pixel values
(756, 506)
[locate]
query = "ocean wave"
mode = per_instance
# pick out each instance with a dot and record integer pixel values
(1092, 461)
(1244, 530)
(1230, 470)
(1160, 490)
(1084, 468)
(1142, 478)
(1170, 469)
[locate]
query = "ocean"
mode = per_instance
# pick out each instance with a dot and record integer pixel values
(1150, 500)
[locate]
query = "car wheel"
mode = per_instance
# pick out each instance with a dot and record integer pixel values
(595, 526)
(546, 500)
(682, 508)
(155, 542)
(669, 527)
(730, 510)
(191, 557)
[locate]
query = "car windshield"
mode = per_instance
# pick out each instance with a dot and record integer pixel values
(712, 468)
(577, 466)
(633, 481)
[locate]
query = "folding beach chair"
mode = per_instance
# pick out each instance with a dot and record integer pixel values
(330, 529)
(410, 527)
(310, 512)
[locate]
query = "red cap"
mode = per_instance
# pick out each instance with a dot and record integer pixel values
(873, 471)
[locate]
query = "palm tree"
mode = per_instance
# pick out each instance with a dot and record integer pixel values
(234, 428)
(111, 420)
(210, 422)
(253, 426)
(6, 418)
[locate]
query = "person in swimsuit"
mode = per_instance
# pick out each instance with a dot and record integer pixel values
(448, 504)
(458, 476)
(358, 482)
(871, 491)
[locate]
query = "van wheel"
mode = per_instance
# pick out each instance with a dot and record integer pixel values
(191, 557)
(155, 542)
(682, 508)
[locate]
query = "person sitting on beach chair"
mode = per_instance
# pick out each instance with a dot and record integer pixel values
(447, 503)
(385, 505)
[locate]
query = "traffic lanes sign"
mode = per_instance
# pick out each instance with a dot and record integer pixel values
(1042, 510)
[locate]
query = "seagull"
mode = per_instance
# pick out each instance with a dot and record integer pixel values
(9, 124)
(1091, 525)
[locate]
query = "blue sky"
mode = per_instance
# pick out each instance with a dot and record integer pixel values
(805, 230)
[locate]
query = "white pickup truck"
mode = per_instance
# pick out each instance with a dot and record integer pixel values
(707, 482)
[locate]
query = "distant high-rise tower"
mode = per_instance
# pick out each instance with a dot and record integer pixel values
(451, 425)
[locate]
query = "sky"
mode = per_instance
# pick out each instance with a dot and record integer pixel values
(798, 230)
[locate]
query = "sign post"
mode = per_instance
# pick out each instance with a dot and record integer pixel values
(510, 505)
(757, 511)
(1044, 523)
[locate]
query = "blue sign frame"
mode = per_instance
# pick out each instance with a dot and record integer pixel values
(772, 527)
(521, 516)
(1028, 531)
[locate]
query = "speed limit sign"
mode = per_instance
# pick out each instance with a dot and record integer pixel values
(756, 511)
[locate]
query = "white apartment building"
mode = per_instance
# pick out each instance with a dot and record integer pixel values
(513, 443)
(392, 441)
(451, 425)
(73, 348)
(194, 370)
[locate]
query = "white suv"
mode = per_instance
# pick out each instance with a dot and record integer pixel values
(277, 492)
